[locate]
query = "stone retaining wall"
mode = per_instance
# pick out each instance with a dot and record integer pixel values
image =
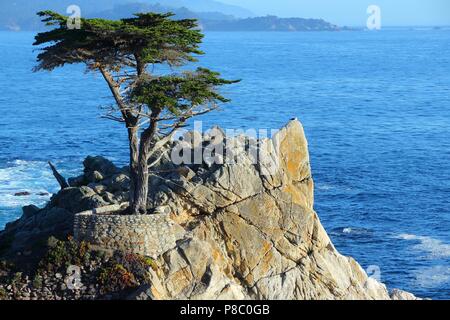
(148, 235)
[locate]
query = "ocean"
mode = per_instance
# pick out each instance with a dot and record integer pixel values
(376, 111)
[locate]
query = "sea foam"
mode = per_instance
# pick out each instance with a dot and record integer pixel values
(433, 277)
(435, 248)
(33, 177)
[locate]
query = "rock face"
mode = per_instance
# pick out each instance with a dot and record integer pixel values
(246, 229)
(253, 235)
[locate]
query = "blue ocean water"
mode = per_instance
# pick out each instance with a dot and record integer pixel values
(375, 107)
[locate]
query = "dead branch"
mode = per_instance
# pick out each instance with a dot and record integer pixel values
(61, 180)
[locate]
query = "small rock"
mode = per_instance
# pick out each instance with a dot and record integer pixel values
(97, 187)
(78, 199)
(77, 181)
(22, 194)
(162, 210)
(120, 197)
(142, 293)
(120, 182)
(109, 197)
(29, 211)
(186, 172)
(94, 176)
(397, 294)
(100, 164)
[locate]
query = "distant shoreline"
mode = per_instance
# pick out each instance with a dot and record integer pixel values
(346, 29)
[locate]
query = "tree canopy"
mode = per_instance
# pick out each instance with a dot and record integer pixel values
(146, 38)
(152, 106)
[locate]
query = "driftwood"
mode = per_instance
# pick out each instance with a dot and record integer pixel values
(61, 180)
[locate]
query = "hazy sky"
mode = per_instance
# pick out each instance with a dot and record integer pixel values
(353, 12)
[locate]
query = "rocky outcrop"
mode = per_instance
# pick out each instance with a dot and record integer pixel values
(397, 294)
(26, 236)
(246, 229)
(251, 231)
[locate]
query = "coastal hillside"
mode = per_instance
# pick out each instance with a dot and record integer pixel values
(269, 23)
(212, 15)
(239, 230)
(203, 6)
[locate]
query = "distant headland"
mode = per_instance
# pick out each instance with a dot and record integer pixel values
(21, 16)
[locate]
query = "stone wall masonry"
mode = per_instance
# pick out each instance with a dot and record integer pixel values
(148, 235)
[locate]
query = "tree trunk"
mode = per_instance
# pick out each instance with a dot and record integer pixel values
(139, 204)
(139, 173)
(140, 195)
(134, 158)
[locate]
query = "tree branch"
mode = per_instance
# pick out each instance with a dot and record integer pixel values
(114, 88)
(61, 180)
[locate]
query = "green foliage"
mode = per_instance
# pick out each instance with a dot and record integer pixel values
(62, 254)
(125, 271)
(16, 279)
(112, 273)
(151, 105)
(151, 263)
(37, 282)
(115, 279)
(3, 294)
(178, 93)
(149, 37)
(136, 263)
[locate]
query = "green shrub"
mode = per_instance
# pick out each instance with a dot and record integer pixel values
(16, 280)
(125, 271)
(3, 294)
(151, 263)
(62, 254)
(115, 279)
(37, 282)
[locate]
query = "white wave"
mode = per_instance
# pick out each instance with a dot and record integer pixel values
(347, 230)
(434, 247)
(433, 276)
(353, 230)
(33, 177)
(324, 187)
